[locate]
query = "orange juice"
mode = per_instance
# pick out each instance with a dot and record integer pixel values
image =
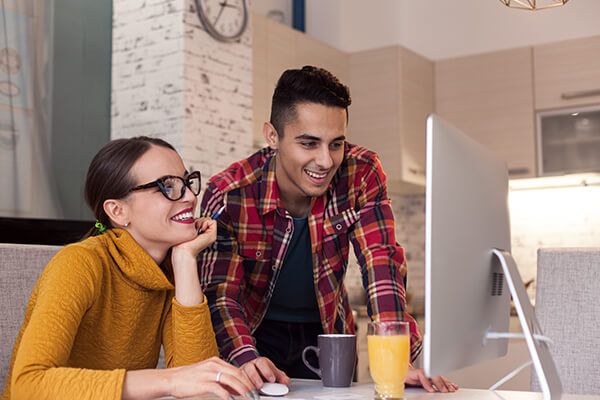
(388, 363)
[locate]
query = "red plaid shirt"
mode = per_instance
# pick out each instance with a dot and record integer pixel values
(240, 270)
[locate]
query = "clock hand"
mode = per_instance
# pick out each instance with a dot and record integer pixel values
(220, 11)
(225, 4)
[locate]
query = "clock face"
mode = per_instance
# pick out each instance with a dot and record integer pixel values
(225, 20)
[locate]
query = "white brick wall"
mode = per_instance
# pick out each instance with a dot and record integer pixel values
(170, 79)
(409, 214)
(218, 98)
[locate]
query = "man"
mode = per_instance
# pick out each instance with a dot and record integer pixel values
(274, 278)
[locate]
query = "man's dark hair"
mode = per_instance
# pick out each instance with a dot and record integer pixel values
(307, 85)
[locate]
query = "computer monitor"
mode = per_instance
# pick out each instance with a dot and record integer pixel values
(470, 275)
(466, 217)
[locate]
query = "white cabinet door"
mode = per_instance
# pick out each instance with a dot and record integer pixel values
(567, 73)
(490, 97)
(392, 95)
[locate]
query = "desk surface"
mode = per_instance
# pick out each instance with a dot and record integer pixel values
(304, 389)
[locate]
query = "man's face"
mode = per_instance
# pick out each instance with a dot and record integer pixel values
(309, 151)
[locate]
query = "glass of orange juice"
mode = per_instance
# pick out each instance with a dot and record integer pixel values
(389, 350)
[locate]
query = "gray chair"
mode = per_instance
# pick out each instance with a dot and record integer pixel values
(568, 309)
(20, 268)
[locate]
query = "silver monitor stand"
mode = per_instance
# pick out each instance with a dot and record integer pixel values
(538, 349)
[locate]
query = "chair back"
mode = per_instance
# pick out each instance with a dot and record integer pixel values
(567, 305)
(20, 268)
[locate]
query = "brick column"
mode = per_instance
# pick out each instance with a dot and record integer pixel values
(170, 79)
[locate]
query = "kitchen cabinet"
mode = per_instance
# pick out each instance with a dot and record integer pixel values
(569, 140)
(490, 97)
(567, 73)
(277, 47)
(392, 95)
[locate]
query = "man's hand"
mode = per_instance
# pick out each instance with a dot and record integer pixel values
(261, 369)
(416, 377)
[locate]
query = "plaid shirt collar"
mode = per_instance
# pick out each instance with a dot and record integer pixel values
(268, 185)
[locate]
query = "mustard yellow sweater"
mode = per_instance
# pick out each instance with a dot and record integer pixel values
(101, 307)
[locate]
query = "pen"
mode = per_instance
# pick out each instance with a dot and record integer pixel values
(219, 211)
(215, 215)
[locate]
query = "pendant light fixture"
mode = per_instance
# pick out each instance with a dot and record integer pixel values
(533, 4)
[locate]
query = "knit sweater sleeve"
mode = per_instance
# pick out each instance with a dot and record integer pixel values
(66, 289)
(188, 336)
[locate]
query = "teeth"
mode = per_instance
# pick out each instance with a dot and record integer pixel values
(181, 217)
(315, 175)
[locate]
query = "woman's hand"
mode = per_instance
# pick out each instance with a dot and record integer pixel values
(207, 229)
(189, 381)
(201, 378)
(185, 269)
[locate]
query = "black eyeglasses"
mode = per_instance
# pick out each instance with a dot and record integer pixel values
(173, 187)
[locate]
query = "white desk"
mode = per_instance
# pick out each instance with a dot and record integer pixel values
(313, 390)
(305, 389)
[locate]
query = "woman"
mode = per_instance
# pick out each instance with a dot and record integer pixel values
(102, 307)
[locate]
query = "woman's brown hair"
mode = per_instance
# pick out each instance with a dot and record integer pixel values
(109, 176)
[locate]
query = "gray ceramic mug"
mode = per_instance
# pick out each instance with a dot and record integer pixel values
(337, 358)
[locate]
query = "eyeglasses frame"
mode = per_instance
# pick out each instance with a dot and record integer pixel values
(159, 183)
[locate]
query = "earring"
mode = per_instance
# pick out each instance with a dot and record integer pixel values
(126, 224)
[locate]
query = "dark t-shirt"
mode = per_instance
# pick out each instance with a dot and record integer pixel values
(294, 298)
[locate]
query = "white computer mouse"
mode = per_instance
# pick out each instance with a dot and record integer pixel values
(274, 389)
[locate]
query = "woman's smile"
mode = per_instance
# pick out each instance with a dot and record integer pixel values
(185, 217)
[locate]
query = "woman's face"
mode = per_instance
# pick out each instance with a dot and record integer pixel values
(156, 222)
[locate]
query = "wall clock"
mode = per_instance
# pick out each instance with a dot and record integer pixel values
(224, 20)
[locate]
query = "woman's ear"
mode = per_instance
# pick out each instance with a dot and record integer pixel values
(271, 136)
(117, 211)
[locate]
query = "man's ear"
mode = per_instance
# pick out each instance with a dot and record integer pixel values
(271, 136)
(117, 212)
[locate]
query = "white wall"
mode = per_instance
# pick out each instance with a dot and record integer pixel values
(561, 217)
(354, 25)
(440, 29)
(278, 10)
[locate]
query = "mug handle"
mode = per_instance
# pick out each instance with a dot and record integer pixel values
(313, 369)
